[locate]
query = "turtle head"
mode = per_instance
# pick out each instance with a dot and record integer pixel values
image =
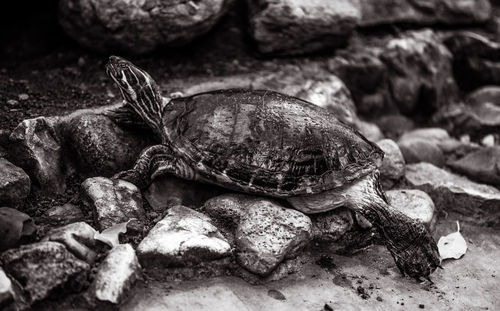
(138, 89)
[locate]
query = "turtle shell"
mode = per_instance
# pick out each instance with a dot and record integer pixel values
(266, 142)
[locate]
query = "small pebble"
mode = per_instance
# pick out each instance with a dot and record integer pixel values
(23, 96)
(421, 306)
(276, 294)
(379, 298)
(12, 102)
(488, 141)
(327, 307)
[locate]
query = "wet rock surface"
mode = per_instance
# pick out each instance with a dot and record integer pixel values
(116, 275)
(182, 237)
(137, 27)
(415, 204)
(14, 183)
(43, 268)
(451, 192)
(296, 27)
(113, 200)
(268, 233)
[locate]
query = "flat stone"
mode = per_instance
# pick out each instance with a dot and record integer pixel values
(268, 233)
(415, 204)
(100, 147)
(299, 26)
(137, 27)
(78, 238)
(419, 71)
(450, 192)
(15, 227)
(6, 290)
(482, 165)
(332, 225)
(14, 183)
(183, 237)
(423, 145)
(113, 201)
(36, 147)
(116, 275)
(385, 12)
(393, 164)
(64, 214)
(41, 268)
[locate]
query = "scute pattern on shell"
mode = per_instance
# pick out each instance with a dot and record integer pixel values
(266, 142)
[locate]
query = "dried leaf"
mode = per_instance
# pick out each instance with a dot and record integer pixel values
(110, 235)
(453, 245)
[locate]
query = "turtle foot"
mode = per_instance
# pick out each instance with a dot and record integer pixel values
(419, 258)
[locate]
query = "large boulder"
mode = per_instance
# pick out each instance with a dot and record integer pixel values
(423, 12)
(183, 237)
(137, 26)
(454, 193)
(14, 183)
(301, 26)
(43, 268)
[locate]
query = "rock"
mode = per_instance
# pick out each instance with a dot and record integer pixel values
(365, 76)
(14, 183)
(183, 237)
(332, 225)
(423, 145)
(64, 214)
(394, 126)
(486, 94)
(386, 12)
(482, 165)
(268, 233)
(393, 164)
(78, 238)
(451, 192)
(116, 275)
(476, 60)
(43, 268)
(289, 27)
(370, 130)
(100, 147)
(415, 204)
(419, 72)
(113, 201)
(137, 27)
(15, 227)
(488, 141)
(36, 148)
(6, 290)
(167, 191)
(228, 209)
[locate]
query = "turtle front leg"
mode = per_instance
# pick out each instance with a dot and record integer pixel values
(140, 174)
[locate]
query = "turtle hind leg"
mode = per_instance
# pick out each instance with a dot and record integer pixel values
(409, 242)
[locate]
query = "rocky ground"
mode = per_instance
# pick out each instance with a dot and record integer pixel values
(419, 78)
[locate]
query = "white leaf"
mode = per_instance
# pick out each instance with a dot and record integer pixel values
(453, 245)
(110, 235)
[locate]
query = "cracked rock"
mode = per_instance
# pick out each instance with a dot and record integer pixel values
(181, 238)
(113, 201)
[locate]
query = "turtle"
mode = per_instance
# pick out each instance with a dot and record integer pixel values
(270, 144)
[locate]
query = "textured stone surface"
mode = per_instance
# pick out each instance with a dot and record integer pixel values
(451, 192)
(415, 204)
(116, 274)
(482, 165)
(393, 164)
(14, 183)
(421, 12)
(64, 214)
(100, 147)
(15, 226)
(113, 201)
(228, 209)
(36, 148)
(476, 60)
(43, 267)
(268, 233)
(420, 72)
(78, 238)
(332, 225)
(6, 290)
(423, 145)
(137, 26)
(299, 26)
(182, 237)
